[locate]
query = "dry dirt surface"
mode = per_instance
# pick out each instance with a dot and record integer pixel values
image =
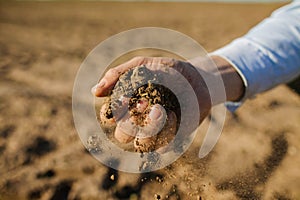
(42, 45)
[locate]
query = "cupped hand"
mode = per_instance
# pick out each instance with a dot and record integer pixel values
(160, 125)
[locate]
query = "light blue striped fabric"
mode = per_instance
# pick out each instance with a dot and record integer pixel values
(269, 54)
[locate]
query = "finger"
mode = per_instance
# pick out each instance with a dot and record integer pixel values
(154, 122)
(167, 134)
(107, 121)
(110, 78)
(126, 129)
(120, 108)
(142, 105)
(145, 144)
(146, 137)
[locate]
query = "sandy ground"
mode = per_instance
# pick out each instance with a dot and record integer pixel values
(42, 45)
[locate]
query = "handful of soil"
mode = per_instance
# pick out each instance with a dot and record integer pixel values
(140, 85)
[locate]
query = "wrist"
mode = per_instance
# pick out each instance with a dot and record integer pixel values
(233, 83)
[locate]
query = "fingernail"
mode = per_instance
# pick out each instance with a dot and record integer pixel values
(98, 85)
(155, 113)
(93, 90)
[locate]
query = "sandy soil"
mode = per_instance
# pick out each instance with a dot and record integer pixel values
(42, 45)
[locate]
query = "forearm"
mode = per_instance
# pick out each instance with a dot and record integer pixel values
(233, 83)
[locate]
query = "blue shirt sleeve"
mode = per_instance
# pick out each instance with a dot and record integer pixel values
(269, 54)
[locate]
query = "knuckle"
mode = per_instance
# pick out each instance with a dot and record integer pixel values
(138, 58)
(112, 72)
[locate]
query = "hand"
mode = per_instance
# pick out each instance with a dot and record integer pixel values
(126, 129)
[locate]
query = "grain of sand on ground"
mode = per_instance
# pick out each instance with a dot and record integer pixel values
(42, 45)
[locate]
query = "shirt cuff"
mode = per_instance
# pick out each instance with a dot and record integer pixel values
(232, 54)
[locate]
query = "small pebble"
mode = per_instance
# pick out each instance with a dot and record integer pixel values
(112, 177)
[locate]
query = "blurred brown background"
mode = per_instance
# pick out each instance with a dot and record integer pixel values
(42, 45)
